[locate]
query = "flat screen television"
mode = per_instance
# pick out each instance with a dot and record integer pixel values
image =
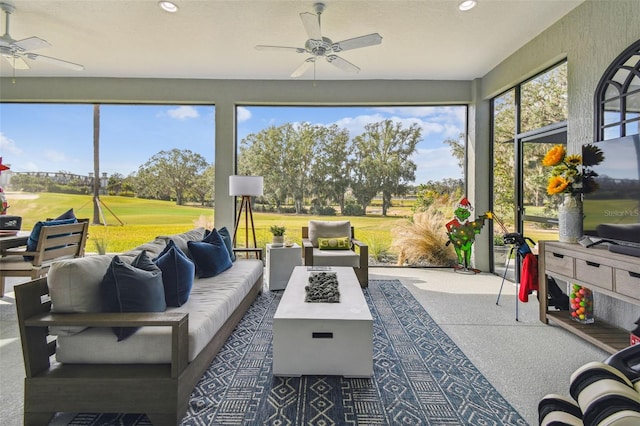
(611, 211)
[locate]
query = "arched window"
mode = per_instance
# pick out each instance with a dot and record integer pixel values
(617, 97)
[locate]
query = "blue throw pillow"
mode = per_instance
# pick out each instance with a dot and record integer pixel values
(178, 272)
(228, 242)
(135, 287)
(69, 214)
(32, 241)
(211, 256)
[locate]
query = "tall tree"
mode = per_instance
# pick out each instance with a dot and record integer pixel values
(330, 173)
(204, 185)
(170, 172)
(283, 156)
(263, 154)
(382, 161)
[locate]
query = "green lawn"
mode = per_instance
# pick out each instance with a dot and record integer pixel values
(145, 219)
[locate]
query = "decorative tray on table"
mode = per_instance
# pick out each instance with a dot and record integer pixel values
(322, 288)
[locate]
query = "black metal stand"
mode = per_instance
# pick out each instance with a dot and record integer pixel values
(504, 276)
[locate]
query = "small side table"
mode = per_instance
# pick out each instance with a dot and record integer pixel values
(280, 264)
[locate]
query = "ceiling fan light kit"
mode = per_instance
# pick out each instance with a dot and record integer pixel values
(319, 46)
(15, 51)
(467, 5)
(168, 6)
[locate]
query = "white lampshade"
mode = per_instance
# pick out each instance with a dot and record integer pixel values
(246, 185)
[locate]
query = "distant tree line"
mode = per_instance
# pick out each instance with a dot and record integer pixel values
(322, 166)
(180, 175)
(302, 165)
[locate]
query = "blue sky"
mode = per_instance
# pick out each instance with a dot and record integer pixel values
(59, 137)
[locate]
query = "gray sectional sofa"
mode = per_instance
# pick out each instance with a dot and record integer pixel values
(75, 363)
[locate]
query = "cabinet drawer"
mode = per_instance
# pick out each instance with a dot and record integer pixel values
(559, 263)
(628, 282)
(595, 274)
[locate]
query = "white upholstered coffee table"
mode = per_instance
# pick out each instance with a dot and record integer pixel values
(323, 338)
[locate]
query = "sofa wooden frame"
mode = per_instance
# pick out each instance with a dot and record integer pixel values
(161, 391)
(362, 271)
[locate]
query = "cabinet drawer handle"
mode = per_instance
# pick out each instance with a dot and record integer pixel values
(634, 274)
(558, 255)
(594, 264)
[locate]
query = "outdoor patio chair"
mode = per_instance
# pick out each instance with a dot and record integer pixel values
(54, 243)
(332, 243)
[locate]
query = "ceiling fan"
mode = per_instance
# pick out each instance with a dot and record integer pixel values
(318, 46)
(15, 51)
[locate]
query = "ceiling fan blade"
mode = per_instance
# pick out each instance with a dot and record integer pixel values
(31, 43)
(311, 24)
(303, 68)
(16, 62)
(55, 61)
(343, 64)
(265, 47)
(357, 42)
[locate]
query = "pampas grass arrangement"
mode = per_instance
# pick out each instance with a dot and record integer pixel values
(422, 240)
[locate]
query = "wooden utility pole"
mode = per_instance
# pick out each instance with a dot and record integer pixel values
(96, 164)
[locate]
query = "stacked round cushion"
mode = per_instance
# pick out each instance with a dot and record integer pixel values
(602, 395)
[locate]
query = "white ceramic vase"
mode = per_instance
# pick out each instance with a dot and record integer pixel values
(278, 241)
(570, 219)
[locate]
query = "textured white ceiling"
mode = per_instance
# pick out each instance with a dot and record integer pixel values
(427, 39)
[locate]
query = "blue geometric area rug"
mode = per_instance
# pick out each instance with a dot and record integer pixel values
(420, 377)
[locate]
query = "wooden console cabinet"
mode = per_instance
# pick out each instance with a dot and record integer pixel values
(603, 272)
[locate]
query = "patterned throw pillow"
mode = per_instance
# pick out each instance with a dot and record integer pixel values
(334, 243)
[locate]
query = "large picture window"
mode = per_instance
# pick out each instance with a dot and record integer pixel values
(527, 120)
(394, 172)
(154, 165)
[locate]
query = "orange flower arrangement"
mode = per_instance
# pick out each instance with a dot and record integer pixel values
(566, 176)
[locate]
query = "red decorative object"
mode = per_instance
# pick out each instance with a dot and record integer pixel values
(2, 166)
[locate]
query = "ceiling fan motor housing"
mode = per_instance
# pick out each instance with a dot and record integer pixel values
(319, 47)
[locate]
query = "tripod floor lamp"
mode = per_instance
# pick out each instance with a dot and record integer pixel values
(245, 187)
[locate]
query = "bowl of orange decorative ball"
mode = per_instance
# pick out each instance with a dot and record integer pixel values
(581, 304)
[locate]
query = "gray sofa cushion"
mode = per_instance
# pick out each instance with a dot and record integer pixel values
(212, 301)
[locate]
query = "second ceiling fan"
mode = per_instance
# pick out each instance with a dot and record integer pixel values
(319, 46)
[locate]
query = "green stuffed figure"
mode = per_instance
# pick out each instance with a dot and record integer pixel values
(462, 233)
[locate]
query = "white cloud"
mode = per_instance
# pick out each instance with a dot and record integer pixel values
(242, 114)
(183, 112)
(356, 125)
(436, 164)
(434, 113)
(8, 146)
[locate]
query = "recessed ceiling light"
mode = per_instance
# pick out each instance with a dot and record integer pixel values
(168, 6)
(467, 5)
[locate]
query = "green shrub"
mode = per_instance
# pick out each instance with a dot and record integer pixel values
(323, 211)
(353, 209)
